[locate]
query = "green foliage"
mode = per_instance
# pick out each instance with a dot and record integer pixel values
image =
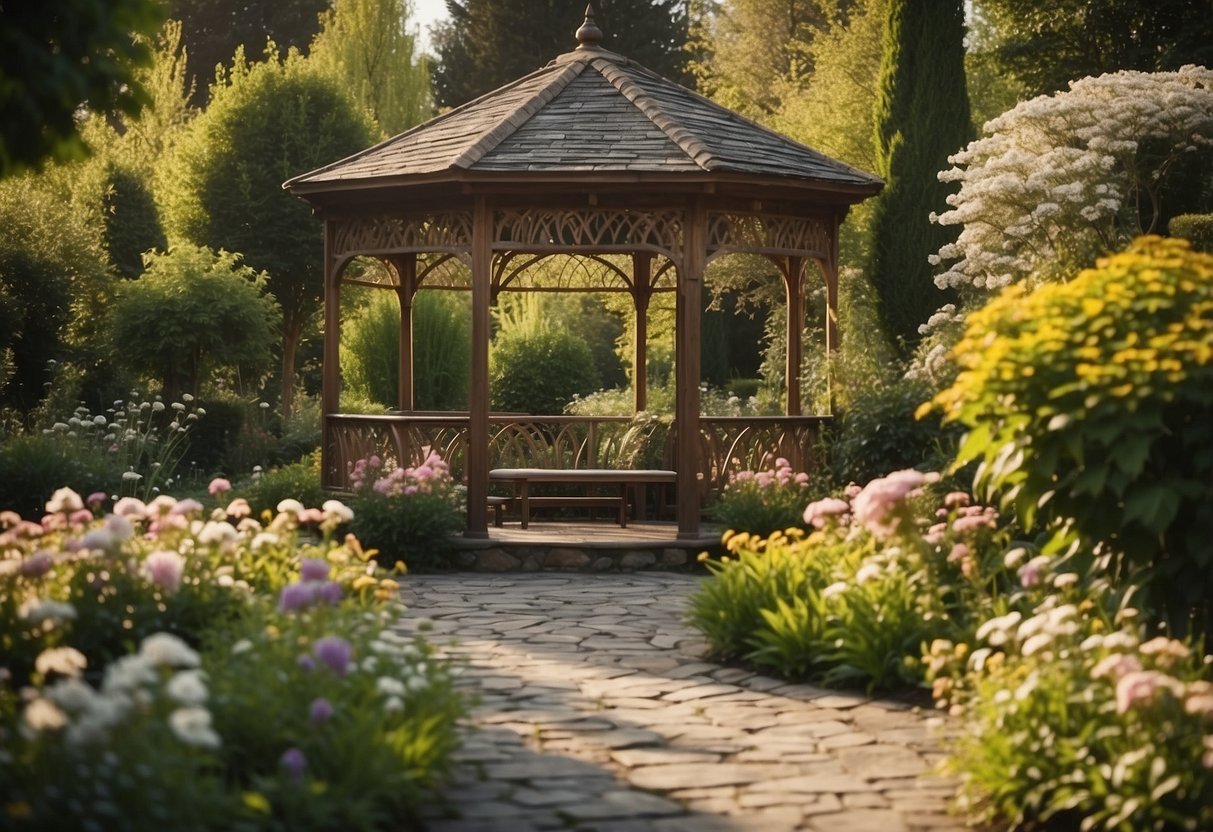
(763, 502)
(55, 60)
(1195, 228)
(32, 466)
(1044, 46)
(132, 222)
(488, 43)
(51, 273)
(539, 373)
(407, 514)
(1091, 400)
(297, 480)
(366, 46)
(192, 314)
(922, 117)
(223, 189)
(370, 350)
(442, 357)
(876, 432)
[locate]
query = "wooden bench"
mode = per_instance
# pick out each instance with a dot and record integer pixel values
(626, 481)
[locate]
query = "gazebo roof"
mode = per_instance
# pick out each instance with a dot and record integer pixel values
(590, 111)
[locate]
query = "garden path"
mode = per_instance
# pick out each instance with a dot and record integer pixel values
(595, 712)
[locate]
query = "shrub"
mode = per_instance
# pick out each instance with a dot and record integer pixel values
(877, 433)
(33, 466)
(1069, 718)
(540, 373)
(1195, 228)
(762, 502)
(298, 480)
(1093, 400)
(853, 602)
(407, 513)
(123, 723)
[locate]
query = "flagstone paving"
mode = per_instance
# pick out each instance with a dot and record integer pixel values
(596, 711)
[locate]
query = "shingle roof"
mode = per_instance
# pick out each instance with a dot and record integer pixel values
(588, 110)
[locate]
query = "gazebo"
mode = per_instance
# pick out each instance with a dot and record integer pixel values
(643, 183)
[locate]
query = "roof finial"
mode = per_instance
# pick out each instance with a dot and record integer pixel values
(589, 35)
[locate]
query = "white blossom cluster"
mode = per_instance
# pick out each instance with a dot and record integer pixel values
(1058, 179)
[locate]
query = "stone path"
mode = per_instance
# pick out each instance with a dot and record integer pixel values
(595, 713)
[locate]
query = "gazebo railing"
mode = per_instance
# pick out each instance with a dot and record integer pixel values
(727, 443)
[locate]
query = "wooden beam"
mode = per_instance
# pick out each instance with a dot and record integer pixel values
(642, 291)
(406, 289)
(688, 315)
(477, 462)
(793, 281)
(829, 268)
(330, 395)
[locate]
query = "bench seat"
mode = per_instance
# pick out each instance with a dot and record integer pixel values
(625, 480)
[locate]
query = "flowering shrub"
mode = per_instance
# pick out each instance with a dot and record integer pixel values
(1069, 716)
(407, 513)
(853, 602)
(761, 502)
(145, 649)
(1092, 400)
(1057, 180)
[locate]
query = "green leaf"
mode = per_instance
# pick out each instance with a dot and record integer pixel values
(1154, 506)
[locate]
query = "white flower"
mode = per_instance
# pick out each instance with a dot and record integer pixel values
(72, 695)
(167, 649)
(45, 611)
(393, 704)
(289, 506)
(165, 569)
(187, 688)
(44, 715)
(219, 532)
(1036, 643)
(337, 510)
(388, 686)
(126, 674)
(66, 661)
(834, 589)
(64, 501)
(867, 572)
(192, 726)
(242, 646)
(1000, 625)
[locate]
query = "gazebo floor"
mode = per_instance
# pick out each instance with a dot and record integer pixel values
(581, 546)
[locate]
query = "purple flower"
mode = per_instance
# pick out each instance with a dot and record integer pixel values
(37, 564)
(305, 661)
(296, 596)
(321, 711)
(314, 569)
(335, 652)
(97, 498)
(329, 592)
(293, 763)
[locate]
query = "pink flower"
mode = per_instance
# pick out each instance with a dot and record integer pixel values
(64, 501)
(876, 504)
(165, 569)
(131, 508)
(186, 506)
(1143, 686)
(819, 512)
(97, 498)
(956, 499)
(239, 507)
(218, 486)
(81, 517)
(1116, 665)
(959, 552)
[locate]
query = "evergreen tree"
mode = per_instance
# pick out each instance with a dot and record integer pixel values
(487, 43)
(922, 117)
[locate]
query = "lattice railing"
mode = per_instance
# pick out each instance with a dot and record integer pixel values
(726, 444)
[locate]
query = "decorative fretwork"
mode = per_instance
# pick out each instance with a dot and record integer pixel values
(447, 231)
(518, 272)
(768, 234)
(444, 271)
(726, 444)
(589, 229)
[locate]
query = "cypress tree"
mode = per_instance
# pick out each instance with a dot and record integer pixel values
(922, 116)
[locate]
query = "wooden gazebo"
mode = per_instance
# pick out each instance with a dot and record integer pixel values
(595, 157)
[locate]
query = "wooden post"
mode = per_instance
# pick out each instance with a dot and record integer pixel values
(688, 314)
(642, 291)
(330, 395)
(829, 268)
(406, 290)
(477, 466)
(793, 280)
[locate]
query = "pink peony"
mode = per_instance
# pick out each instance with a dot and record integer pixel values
(875, 506)
(165, 569)
(218, 486)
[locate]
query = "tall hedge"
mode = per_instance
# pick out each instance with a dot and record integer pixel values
(921, 117)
